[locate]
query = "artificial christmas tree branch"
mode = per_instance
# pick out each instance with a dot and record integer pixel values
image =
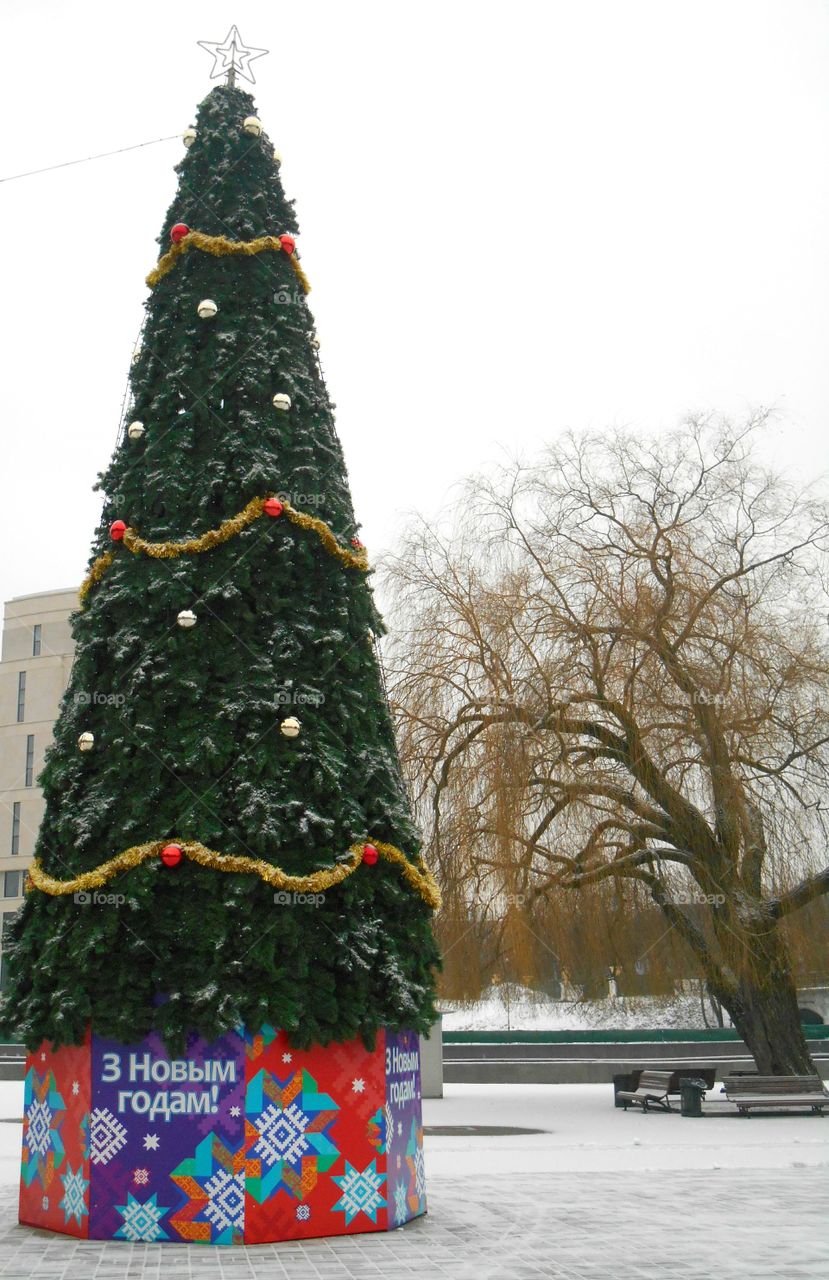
(226, 393)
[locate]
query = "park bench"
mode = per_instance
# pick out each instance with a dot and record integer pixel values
(652, 1091)
(628, 1081)
(774, 1093)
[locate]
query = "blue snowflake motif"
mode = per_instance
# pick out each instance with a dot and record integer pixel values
(360, 1192)
(38, 1134)
(401, 1208)
(141, 1220)
(226, 1207)
(74, 1195)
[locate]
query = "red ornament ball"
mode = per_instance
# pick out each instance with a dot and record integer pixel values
(370, 854)
(288, 243)
(179, 231)
(171, 855)
(355, 542)
(117, 530)
(273, 507)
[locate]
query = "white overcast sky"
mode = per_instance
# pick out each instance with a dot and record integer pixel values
(516, 218)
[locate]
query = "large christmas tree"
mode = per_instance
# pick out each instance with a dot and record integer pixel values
(226, 701)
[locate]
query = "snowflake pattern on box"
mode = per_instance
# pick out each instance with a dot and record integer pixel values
(43, 1151)
(401, 1207)
(107, 1135)
(141, 1220)
(287, 1142)
(213, 1185)
(377, 1130)
(256, 1043)
(74, 1203)
(416, 1191)
(360, 1192)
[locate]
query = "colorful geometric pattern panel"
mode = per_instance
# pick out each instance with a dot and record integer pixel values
(246, 1140)
(212, 1184)
(307, 1125)
(54, 1182)
(404, 1128)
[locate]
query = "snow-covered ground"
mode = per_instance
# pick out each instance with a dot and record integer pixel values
(516, 1008)
(600, 1193)
(583, 1132)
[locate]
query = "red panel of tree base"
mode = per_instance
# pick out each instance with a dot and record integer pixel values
(54, 1175)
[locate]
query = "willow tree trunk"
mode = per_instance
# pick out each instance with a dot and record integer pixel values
(762, 1003)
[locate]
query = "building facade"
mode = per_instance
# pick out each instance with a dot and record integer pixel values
(35, 662)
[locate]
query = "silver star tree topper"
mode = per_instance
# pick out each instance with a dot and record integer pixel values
(231, 56)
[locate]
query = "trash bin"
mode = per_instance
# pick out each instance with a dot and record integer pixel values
(691, 1093)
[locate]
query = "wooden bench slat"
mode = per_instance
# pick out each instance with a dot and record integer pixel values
(766, 1099)
(776, 1092)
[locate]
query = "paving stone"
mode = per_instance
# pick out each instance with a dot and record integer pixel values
(740, 1225)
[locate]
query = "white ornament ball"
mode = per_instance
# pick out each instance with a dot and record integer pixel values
(186, 618)
(277, 157)
(136, 355)
(135, 430)
(207, 308)
(282, 402)
(315, 342)
(252, 125)
(86, 741)
(189, 137)
(290, 727)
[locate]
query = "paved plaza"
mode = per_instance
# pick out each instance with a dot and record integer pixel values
(750, 1224)
(594, 1193)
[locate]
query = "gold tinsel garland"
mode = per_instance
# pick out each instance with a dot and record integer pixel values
(221, 247)
(418, 878)
(214, 537)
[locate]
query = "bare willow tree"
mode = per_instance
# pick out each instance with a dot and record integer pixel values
(614, 668)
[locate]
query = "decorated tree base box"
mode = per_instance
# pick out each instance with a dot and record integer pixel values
(242, 1141)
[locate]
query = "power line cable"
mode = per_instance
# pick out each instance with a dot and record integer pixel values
(101, 156)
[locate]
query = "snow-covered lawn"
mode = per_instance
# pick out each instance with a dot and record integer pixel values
(518, 1008)
(585, 1132)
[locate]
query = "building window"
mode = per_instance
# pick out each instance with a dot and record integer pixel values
(36, 634)
(11, 884)
(21, 696)
(30, 760)
(16, 827)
